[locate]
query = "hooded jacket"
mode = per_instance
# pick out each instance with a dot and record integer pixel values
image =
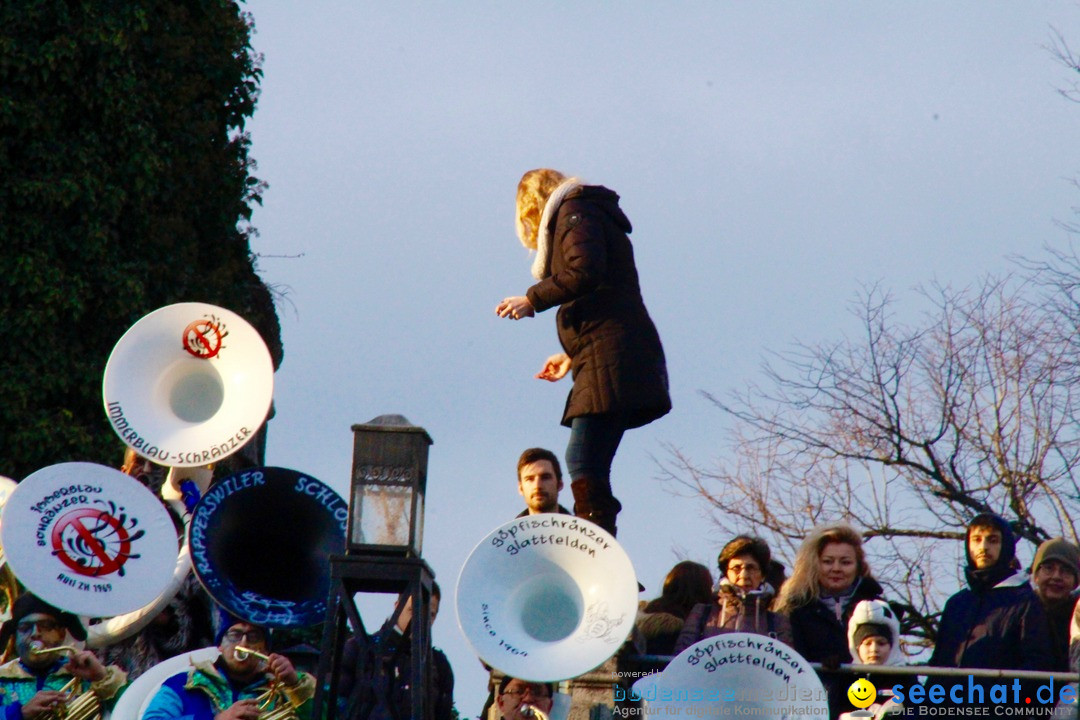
(585, 265)
(876, 612)
(997, 621)
(734, 611)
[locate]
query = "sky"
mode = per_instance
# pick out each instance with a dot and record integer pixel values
(774, 158)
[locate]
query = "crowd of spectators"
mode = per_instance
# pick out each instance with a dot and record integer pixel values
(828, 606)
(834, 612)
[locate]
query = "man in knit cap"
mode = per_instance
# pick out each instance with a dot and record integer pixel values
(1055, 575)
(238, 685)
(31, 683)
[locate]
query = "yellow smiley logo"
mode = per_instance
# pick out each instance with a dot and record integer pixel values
(862, 693)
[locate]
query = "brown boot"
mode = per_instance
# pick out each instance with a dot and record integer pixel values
(594, 502)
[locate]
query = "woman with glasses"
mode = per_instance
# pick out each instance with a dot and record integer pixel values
(743, 599)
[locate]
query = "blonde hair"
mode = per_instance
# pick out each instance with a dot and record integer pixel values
(804, 585)
(533, 192)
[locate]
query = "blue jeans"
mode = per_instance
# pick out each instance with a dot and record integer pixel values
(593, 442)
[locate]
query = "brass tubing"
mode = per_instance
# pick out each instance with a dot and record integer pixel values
(59, 648)
(240, 650)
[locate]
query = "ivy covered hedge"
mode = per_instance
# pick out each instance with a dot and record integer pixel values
(125, 184)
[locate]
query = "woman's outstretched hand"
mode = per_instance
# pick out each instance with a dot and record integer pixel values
(514, 308)
(555, 368)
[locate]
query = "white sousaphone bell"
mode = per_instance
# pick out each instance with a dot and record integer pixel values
(88, 539)
(188, 384)
(137, 696)
(547, 597)
(735, 673)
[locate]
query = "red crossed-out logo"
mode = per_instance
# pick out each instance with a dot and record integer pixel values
(203, 338)
(94, 542)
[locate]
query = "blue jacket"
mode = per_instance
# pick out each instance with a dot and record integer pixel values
(204, 691)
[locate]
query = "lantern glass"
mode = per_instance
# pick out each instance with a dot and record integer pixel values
(418, 538)
(388, 482)
(385, 514)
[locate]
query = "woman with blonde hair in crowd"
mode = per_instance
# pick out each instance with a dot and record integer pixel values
(829, 578)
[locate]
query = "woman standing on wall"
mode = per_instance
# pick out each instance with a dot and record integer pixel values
(585, 265)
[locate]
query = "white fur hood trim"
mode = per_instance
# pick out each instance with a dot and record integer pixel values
(541, 266)
(876, 612)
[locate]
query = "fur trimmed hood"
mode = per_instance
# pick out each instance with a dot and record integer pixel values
(541, 266)
(876, 612)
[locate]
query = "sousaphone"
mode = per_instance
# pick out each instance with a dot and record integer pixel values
(261, 542)
(734, 674)
(9, 586)
(188, 384)
(88, 539)
(136, 698)
(92, 541)
(547, 597)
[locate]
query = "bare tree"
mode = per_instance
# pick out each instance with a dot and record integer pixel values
(1061, 52)
(909, 430)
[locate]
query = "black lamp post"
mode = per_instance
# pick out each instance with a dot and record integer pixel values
(385, 536)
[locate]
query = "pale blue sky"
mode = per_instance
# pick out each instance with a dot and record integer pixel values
(773, 156)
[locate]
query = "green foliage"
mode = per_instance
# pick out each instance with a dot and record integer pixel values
(125, 185)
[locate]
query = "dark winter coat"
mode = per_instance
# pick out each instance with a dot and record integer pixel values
(1000, 627)
(822, 637)
(1058, 622)
(734, 611)
(376, 672)
(655, 632)
(616, 357)
(996, 622)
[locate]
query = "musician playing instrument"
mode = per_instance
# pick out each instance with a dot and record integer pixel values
(32, 685)
(246, 682)
(520, 699)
